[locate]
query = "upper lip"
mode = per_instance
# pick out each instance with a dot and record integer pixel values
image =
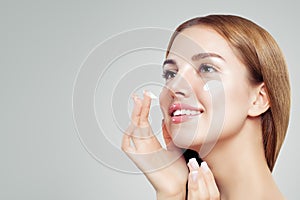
(182, 106)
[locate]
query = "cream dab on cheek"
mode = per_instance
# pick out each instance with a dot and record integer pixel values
(205, 87)
(212, 85)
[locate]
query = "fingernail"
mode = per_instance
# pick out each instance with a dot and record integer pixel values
(194, 175)
(204, 166)
(194, 164)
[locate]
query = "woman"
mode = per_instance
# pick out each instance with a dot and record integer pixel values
(228, 101)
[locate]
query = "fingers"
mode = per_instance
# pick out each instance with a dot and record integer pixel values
(167, 138)
(166, 135)
(145, 109)
(201, 182)
(196, 185)
(210, 181)
(126, 143)
(137, 109)
(139, 136)
(141, 109)
(140, 116)
(127, 139)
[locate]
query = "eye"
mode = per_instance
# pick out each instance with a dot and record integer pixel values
(207, 68)
(167, 74)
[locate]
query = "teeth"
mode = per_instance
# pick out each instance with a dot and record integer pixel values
(177, 112)
(185, 112)
(194, 112)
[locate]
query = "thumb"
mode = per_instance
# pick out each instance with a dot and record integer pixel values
(167, 138)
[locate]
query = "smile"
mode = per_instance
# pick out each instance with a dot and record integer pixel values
(182, 112)
(186, 112)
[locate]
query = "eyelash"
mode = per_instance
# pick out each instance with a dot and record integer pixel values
(167, 73)
(207, 66)
(204, 68)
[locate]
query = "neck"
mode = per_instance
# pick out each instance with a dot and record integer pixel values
(239, 165)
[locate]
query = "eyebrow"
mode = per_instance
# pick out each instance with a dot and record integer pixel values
(206, 55)
(169, 61)
(195, 57)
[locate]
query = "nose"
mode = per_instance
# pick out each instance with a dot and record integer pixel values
(180, 86)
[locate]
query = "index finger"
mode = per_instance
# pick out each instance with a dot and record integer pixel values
(145, 109)
(210, 181)
(136, 112)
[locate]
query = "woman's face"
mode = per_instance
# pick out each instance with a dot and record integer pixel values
(207, 93)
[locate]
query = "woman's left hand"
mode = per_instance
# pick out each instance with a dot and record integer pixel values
(165, 168)
(201, 183)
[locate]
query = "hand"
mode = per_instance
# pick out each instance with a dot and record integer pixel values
(165, 168)
(201, 185)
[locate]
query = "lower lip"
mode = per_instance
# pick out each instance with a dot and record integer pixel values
(182, 118)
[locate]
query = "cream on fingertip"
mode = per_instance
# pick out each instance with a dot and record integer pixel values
(150, 94)
(193, 163)
(204, 166)
(134, 97)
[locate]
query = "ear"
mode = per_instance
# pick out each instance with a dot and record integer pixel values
(260, 102)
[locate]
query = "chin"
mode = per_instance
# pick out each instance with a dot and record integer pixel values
(189, 136)
(183, 139)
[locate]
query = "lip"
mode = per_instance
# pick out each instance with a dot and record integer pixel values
(182, 118)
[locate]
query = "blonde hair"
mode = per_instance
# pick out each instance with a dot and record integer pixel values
(258, 50)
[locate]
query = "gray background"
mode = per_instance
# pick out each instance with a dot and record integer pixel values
(42, 45)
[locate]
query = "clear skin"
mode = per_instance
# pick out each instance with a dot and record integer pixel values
(237, 166)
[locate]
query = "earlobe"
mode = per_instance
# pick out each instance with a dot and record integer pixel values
(261, 102)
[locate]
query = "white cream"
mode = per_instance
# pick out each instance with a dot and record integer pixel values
(213, 84)
(205, 87)
(151, 95)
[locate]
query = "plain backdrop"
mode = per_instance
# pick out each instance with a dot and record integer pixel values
(42, 46)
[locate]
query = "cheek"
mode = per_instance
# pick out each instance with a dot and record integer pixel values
(213, 100)
(236, 108)
(237, 98)
(226, 107)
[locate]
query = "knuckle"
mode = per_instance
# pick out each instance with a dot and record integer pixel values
(215, 196)
(144, 123)
(124, 149)
(209, 177)
(134, 124)
(128, 151)
(145, 113)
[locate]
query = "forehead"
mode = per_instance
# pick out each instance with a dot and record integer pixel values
(200, 39)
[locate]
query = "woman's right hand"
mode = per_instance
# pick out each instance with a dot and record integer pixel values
(201, 184)
(166, 169)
